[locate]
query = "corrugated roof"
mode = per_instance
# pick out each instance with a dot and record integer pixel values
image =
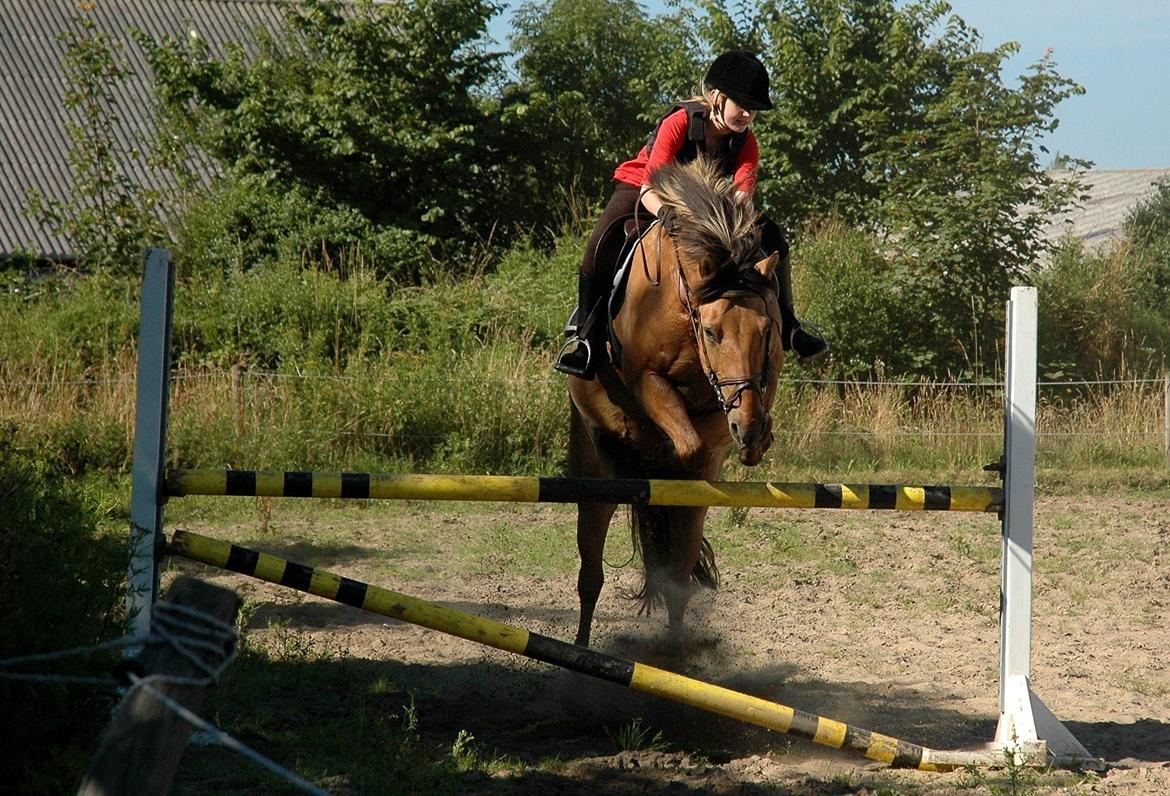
(34, 144)
(1097, 221)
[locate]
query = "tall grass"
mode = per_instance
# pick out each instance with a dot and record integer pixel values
(287, 367)
(500, 409)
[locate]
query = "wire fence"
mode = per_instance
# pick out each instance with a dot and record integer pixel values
(1153, 423)
(207, 374)
(188, 632)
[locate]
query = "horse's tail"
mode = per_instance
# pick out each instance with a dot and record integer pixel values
(652, 538)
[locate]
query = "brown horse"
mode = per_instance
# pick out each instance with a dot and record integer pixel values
(695, 371)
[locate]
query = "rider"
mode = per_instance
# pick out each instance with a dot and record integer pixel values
(718, 125)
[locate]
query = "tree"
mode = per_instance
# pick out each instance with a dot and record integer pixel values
(383, 109)
(109, 219)
(913, 134)
(594, 76)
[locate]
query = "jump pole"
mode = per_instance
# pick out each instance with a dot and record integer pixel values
(633, 675)
(533, 489)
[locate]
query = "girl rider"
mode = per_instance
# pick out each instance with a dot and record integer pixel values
(718, 125)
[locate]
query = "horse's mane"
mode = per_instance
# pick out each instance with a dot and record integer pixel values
(712, 227)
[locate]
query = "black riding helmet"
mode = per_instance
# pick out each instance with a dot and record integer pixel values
(741, 76)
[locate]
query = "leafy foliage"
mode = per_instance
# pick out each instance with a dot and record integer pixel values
(108, 218)
(914, 135)
(1147, 229)
(1109, 311)
(379, 109)
(64, 576)
(594, 76)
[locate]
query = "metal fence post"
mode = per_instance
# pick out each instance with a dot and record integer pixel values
(147, 490)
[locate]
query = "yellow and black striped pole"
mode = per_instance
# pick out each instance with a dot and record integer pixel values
(532, 489)
(637, 676)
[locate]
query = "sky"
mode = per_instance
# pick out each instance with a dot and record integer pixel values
(1119, 50)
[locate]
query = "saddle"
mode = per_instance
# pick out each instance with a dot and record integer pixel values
(613, 255)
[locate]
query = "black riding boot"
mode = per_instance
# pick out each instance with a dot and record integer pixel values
(795, 338)
(576, 356)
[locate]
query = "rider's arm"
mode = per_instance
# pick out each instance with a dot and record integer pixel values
(668, 142)
(747, 162)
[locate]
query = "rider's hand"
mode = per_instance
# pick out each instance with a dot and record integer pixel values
(666, 217)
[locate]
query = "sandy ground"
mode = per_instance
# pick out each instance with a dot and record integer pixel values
(886, 621)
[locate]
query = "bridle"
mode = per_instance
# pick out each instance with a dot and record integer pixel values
(758, 382)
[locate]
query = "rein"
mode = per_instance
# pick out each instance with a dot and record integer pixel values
(757, 381)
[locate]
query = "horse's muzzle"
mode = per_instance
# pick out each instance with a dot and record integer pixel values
(753, 439)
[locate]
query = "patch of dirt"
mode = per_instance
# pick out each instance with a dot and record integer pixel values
(885, 621)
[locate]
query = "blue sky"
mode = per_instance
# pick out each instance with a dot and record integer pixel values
(1119, 50)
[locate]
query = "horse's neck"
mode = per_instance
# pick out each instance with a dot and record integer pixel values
(654, 324)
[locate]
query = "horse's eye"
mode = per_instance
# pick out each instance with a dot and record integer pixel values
(709, 333)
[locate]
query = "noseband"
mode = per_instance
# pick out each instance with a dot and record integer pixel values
(758, 382)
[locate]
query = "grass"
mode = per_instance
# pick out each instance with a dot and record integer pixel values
(499, 409)
(633, 736)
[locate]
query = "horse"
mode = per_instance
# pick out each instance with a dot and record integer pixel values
(695, 353)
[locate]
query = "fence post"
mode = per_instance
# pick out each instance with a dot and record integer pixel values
(147, 490)
(1166, 413)
(144, 743)
(238, 399)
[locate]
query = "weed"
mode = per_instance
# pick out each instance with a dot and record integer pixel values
(633, 737)
(738, 516)
(467, 755)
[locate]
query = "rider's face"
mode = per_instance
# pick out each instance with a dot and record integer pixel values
(733, 117)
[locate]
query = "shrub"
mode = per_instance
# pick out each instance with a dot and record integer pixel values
(844, 285)
(1095, 315)
(61, 574)
(250, 221)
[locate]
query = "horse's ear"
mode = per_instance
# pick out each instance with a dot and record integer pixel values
(768, 265)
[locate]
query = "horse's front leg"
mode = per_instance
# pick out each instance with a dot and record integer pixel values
(666, 407)
(592, 527)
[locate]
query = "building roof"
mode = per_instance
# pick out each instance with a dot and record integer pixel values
(1097, 221)
(34, 143)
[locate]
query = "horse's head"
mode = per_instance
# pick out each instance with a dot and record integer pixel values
(730, 291)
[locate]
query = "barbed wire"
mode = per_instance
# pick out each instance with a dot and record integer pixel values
(185, 630)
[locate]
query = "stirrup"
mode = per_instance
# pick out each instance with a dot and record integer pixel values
(567, 363)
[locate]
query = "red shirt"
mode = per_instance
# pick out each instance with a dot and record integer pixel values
(672, 134)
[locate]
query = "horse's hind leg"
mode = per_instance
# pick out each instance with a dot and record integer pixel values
(592, 527)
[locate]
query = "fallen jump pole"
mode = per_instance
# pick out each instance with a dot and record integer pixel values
(532, 489)
(633, 675)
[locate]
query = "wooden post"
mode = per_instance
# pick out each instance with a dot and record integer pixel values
(1166, 413)
(141, 748)
(238, 399)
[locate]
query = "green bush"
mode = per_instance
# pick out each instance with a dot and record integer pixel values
(846, 287)
(62, 579)
(69, 322)
(1096, 317)
(248, 222)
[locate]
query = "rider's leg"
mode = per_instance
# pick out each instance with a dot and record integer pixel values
(594, 280)
(795, 338)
